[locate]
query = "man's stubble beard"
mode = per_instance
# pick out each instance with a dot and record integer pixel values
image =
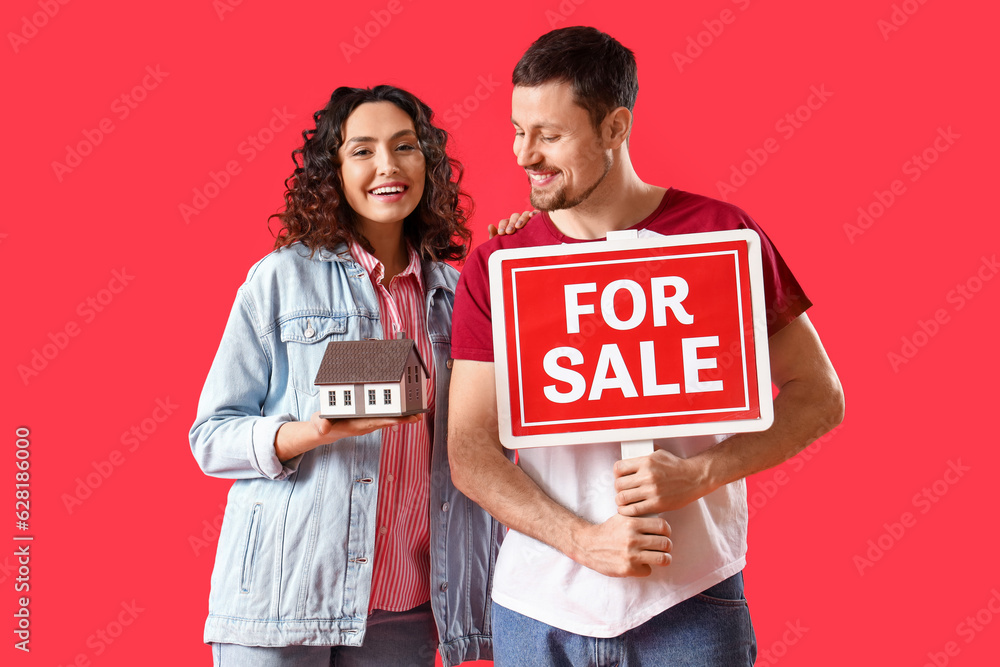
(558, 200)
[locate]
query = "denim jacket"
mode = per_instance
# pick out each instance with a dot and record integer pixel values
(294, 561)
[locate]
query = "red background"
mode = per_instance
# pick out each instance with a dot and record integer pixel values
(884, 99)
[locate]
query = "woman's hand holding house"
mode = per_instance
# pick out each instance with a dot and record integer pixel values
(294, 438)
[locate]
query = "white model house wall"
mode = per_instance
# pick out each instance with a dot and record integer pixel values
(355, 400)
(339, 400)
(381, 398)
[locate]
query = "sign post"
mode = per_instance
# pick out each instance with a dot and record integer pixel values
(631, 449)
(630, 339)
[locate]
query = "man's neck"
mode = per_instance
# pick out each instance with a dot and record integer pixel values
(619, 202)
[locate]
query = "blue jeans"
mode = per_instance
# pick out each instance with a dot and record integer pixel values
(712, 629)
(400, 639)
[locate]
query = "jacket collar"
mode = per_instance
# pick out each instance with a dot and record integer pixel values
(339, 254)
(434, 277)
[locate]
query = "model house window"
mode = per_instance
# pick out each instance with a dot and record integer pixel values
(408, 380)
(371, 397)
(387, 396)
(333, 397)
(347, 397)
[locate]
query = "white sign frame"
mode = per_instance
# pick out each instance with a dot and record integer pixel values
(647, 433)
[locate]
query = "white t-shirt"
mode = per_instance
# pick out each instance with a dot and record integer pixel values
(709, 535)
(533, 579)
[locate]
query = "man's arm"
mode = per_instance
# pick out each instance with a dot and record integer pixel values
(620, 547)
(809, 403)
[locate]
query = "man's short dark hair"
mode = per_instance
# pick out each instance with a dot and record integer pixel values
(601, 72)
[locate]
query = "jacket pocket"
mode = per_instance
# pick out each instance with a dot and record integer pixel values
(304, 339)
(250, 548)
(311, 328)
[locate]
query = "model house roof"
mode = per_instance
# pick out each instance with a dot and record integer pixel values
(359, 361)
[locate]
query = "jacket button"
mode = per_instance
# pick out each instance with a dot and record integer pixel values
(444, 586)
(310, 333)
(450, 363)
(445, 507)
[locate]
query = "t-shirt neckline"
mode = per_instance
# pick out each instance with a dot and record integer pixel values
(642, 224)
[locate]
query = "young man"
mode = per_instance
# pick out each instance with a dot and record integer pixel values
(607, 559)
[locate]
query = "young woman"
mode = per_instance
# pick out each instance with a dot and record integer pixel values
(344, 541)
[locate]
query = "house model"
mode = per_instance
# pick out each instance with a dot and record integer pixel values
(371, 377)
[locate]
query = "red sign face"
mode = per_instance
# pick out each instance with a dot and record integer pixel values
(627, 340)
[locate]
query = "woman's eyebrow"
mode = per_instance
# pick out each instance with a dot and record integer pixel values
(401, 133)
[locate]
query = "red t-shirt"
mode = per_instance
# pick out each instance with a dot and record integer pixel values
(679, 213)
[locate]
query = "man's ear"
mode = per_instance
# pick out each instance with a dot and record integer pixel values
(616, 127)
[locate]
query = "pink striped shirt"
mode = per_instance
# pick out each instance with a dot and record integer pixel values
(401, 573)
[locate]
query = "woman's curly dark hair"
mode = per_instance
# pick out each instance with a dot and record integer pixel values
(318, 216)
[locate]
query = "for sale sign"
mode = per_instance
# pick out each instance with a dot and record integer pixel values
(660, 336)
